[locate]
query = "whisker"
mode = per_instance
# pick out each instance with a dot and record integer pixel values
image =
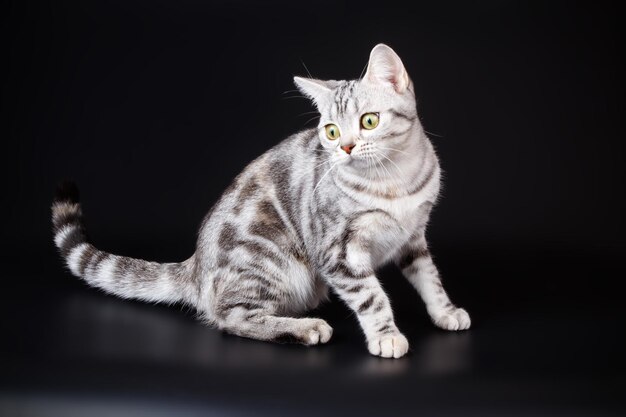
(371, 165)
(376, 162)
(324, 176)
(308, 172)
(396, 165)
(363, 72)
(434, 134)
(285, 98)
(307, 70)
(311, 119)
(322, 163)
(384, 167)
(392, 178)
(393, 149)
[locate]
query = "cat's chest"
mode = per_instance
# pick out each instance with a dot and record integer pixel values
(396, 226)
(408, 213)
(407, 210)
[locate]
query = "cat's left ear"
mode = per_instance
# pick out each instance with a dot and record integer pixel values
(385, 67)
(317, 90)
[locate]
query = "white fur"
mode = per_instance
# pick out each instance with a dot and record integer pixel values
(389, 346)
(73, 259)
(105, 275)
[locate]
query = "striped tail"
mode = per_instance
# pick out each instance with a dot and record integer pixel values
(119, 275)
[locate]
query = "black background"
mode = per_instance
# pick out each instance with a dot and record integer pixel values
(152, 107)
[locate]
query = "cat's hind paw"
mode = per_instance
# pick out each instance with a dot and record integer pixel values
(452, 319)
(320, 332)
(306, 331)
(389, 346)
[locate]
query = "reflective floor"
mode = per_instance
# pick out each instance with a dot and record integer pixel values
(554, 349)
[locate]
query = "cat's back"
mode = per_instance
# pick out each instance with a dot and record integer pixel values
(279, 162)
(269, 180)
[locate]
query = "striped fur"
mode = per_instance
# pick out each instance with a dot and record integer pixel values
(118, 275)
(303, 218)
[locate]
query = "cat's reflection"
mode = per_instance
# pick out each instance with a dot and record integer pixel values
(120, 330)
(443, 353)
(434, 353)
(110, 329)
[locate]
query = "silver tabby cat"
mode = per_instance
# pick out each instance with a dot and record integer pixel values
(321, 210)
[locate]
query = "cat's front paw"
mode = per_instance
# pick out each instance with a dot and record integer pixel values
(389, 345)
(451, 319)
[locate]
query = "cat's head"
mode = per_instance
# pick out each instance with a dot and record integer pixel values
(372, 118)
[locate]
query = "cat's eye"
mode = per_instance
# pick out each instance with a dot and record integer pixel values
(369, 120)
(332, 131)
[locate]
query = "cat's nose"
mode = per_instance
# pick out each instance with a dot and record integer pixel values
(348, 148)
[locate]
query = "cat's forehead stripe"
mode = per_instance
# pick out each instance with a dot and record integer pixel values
(343, 97)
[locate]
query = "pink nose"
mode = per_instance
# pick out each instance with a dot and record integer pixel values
(348, 148)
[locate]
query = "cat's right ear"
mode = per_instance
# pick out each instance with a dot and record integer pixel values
(316, 90)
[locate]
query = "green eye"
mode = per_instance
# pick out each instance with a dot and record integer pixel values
(332, 131)
(369, 120)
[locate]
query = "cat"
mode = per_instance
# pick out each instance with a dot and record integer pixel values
(321, 210)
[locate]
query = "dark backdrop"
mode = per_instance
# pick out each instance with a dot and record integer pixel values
(152, 107)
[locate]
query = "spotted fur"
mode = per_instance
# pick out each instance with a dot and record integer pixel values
(303, 218)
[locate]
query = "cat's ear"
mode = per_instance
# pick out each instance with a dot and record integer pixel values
(316, 90)
(385, 67)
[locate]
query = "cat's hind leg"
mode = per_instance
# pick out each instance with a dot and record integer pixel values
(263, 326)
(255, 304)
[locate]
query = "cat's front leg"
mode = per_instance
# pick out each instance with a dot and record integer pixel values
(417, 265)
(362, 292)
(351, 275)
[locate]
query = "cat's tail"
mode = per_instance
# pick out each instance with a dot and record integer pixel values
(119, 275)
